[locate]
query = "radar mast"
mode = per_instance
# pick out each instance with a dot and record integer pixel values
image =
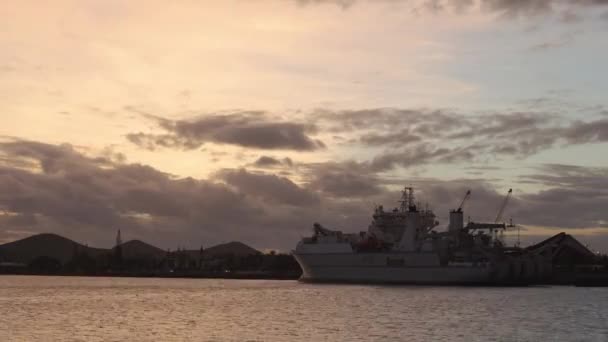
(407, 199)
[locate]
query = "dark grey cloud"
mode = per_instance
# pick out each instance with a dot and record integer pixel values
(572, 197)
(575, 196)
(155, 141)
(89, 198)
(247, 129)
(422, 155)
(590, 2)
(59, 189)
(569, 16)
(495, 124)
(271, 162)
(268, 187)
(443, 196)
(583, 132)
(345, 179)
(400, 138)
(341, 3)
(425, 121)
(414, 137)
(519, 7)
(265, 161)
(571, 176)
(506, 8)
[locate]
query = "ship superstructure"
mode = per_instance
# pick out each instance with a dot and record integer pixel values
(402, 246)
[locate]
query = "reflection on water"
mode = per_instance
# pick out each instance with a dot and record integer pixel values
(129, 309)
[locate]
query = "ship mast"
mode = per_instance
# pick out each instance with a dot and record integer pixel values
(407, 199)
(118, 239)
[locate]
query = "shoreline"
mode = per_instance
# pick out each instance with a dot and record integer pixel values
(578, 282)
(178, 275)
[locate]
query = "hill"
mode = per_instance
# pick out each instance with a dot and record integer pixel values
(136, 249)
(239, 249)
(63, 249)
(51, 245)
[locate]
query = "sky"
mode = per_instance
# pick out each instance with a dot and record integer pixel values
(199, 122)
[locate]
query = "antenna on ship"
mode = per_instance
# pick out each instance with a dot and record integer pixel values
(410, 197)
(404, 200)
(118, 250)
(407, 199)
(518, 242)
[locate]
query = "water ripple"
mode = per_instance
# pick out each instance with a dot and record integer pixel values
(121, 309)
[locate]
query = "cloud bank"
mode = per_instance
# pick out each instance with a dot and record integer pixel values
(413, 137)
(509, 8)
(246, 129)
(45, 187)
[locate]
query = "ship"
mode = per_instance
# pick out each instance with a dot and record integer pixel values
(404, 246)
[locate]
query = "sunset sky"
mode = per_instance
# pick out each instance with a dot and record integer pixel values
(189, 123)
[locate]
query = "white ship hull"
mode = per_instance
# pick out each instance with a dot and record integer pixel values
(401, 247)
(407, 268)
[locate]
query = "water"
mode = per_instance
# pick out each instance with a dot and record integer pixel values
(130, 309)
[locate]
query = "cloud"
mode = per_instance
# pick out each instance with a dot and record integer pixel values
(505, 8)
(575, 197)
(563, 40)
(581, 132)
(422, 155)
(271, 162)
(343, 179)
(265, 161)
(425, 120)
(444, 196)
(246, 129)
(572, 197)
(400, 138)
(268, 187)
(154, 141)
(63, 190)
(513, 8)
(414, 137)
(570, 17)
(341, 3)
(89, 198)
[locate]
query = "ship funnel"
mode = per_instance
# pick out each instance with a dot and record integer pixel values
(456, 221)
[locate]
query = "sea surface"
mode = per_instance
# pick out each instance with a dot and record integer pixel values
(136, 309)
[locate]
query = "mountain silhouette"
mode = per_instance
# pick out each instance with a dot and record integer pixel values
(64, 249)
(47, 244)
(136, 249)
(236, 248)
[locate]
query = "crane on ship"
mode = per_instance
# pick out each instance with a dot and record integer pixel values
(466, 197)
(503, 206)
(499, 217)
(496, 229)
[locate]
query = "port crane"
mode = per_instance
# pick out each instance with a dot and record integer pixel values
(503, 206)
(499, 216)
(466, 197)
(493, 228)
